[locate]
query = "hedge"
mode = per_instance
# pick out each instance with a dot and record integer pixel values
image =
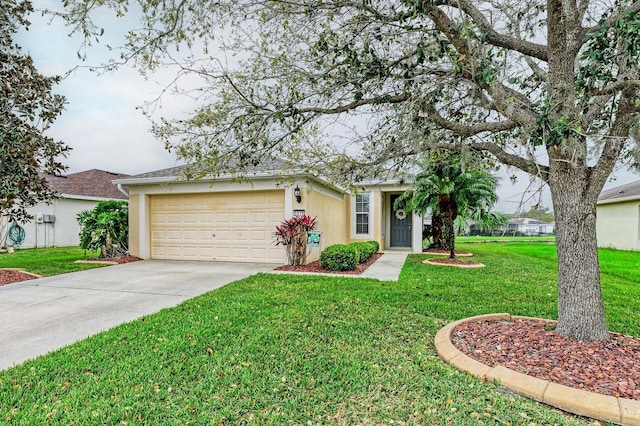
(366, 249)
(339, 257)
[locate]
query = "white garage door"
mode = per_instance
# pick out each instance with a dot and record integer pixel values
(235, 226)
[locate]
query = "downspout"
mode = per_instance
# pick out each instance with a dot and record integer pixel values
(121, 189)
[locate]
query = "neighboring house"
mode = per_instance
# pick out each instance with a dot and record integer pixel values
(55, 224)
(528, 226)
(618, 223)
(230, 220)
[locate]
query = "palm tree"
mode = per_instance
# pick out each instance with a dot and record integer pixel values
(448, 187)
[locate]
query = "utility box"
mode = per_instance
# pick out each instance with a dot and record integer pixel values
(45, 218)
(48, 218)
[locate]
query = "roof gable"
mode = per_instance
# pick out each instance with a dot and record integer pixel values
(89, 183)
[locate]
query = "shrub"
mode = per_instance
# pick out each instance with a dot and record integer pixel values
(376, 246)
(292, 234)
(366, 249)
(106, 227)
(339, 257)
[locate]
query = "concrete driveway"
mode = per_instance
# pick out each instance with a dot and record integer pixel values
(41, 315)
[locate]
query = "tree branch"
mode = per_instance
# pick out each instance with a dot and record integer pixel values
(527, 166)
(604, 95)
(504, 97)
(632, 9)
(378, 100)
(495, 38)
(616, 139)
(462, 129)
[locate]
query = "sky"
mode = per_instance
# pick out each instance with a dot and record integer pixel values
(102, 121)
(106, 129)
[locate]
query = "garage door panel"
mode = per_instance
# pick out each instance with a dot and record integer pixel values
(175, 235)
(274, 217)
(257, 235)
(183, 226)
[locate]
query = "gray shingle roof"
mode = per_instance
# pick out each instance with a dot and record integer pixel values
(266, 165)
(623, 191)
(170, 172)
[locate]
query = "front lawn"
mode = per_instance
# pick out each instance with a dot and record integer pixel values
(48, 261)
(505, 239)
(290, 349)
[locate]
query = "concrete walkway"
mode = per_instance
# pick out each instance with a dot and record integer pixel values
(388, 267)
(44, 314)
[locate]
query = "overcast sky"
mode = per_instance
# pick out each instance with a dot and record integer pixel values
(101, 121)
(106, 130)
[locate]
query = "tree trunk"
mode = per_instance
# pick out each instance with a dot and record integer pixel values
(436, 232)
(449, 235)
(580, 307)
(448, 212)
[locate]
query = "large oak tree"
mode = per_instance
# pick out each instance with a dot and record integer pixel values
(549, 87)
(27, 109)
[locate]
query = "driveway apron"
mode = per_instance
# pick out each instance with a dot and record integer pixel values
(44, 314)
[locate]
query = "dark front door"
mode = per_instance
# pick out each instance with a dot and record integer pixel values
(400, 226)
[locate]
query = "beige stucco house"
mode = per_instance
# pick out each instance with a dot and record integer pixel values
(227, 219)
(618, 224)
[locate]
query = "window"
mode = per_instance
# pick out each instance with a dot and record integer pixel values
(362, 214)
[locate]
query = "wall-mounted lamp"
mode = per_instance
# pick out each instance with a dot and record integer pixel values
(296, 193)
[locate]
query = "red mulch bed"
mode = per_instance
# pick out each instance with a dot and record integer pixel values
(315, 267)
(532, 347)
(10, 277)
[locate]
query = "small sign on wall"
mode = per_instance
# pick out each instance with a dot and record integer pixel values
(313, 239)
(298, 212)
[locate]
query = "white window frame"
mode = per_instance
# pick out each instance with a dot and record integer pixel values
(355, 213)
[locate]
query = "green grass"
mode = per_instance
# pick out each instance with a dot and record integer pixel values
(505, 239)
(48, 261)
(279, 349)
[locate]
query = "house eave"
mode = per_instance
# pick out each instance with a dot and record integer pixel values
(619, 200)
(275, 174)
(86, 197)
(207, 179)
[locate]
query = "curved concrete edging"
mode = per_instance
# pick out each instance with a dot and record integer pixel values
(99, 262)
(455, 265)
(602, 407)
(458, 254)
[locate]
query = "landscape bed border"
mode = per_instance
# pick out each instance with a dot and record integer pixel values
(608, 408)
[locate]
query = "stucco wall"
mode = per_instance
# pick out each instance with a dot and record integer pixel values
(376, 218)
(617, 225)
(134, 224)
(64, 232)
(329, 208)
